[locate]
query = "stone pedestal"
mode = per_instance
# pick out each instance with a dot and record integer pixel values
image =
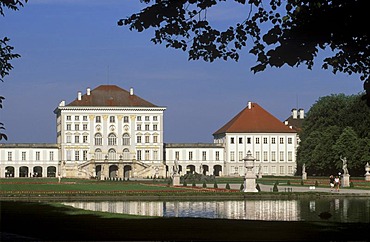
(304, 176)
(250, 176)
(367, 174)
(176, 180)
(367, 177)
(345, 180)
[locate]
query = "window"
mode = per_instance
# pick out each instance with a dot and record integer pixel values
(138, 118)
(232, 155)
(147, 118)
(155, 139)
(112, 154)
(68, 139)
(147, 155)
(112, 139)
(84, 139)
(240, 140)
(290, 169)
(204, 155)
(273, 155)
(125, 119)
(51, 155)
(77, 126)
(84, 127)
(281, 170)
(232, 140)
(146, 126)
(84, 118)
(281, 140)
(147, 137)
(69, 118)
(126, 154)
(155, 154)
(77, 118)
(290, 156)
(138, 156)
(155, 127)
(98, 154)
(265, 140)
(265, 155)
(190, 155)
(126, 139)
(84, 154)
(240, 155)
(265, 169)
(257, 155)
(77, 139)
(290, 140)
(69, 127)
(97, 119)
(138, 139)
(98, 139)
(37, 155)
(281, 155)
(248, 140)
(155, 118)
(69, 156)
(112, 119)
(177, 155)
(138, 127)
(257, 140)
(24, 155)
(77, 155)
(217, 155)
(10, 154)
(273, 169)
(273, 141)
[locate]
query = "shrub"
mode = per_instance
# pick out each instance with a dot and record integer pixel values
(227, 186)
(204, 184)
(288, 183)
(185, 184)
(351, 184)
(277, 182)
(302, 183)
(258, 187)
(215, 185)
(316, 183)
(193, 184)
(275, 188)
(241, 187)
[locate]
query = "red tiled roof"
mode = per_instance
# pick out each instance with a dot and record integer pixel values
(110, 95)
(254, 120)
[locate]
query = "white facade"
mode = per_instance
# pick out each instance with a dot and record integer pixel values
(112, 133)
(29, 160)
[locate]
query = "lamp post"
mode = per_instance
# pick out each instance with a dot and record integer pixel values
(250, 176)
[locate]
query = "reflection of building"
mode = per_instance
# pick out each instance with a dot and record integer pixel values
(112, 133)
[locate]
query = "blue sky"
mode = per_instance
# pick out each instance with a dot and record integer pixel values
(69, 45)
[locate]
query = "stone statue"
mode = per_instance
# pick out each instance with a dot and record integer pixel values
(304, 168)
(345, 169)
(176, 167)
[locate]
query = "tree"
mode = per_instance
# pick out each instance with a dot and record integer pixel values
(335, 126)
(6, 54)
(279, 32)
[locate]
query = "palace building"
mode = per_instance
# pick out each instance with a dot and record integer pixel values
(109, 132)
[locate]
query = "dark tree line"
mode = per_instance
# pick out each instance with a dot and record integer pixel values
(335, 126)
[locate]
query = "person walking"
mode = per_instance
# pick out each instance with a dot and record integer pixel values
(331, 181)
(337, 183)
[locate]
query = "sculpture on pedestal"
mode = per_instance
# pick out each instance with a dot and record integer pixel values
(176, 174)
(345, 177)
(304, 173)
(345, 169)
(250, 176)
(367, 174)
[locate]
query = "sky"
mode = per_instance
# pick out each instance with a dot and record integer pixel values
(67, 46)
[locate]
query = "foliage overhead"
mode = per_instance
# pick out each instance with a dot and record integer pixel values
(6, 54)
(336, 125)
(279, 32)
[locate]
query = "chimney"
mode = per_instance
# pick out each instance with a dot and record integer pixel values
(301, 113)
(131, 91)
(249, 105)
(79, 96)
(88, 91)
(62, 103)
(294, 113)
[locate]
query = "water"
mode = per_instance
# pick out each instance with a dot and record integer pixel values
(341, 209)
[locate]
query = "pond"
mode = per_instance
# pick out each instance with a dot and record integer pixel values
(307, 209)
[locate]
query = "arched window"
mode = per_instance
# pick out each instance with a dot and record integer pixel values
(98, 154)
(112, 139)
(98, 139)
(126, 139)
(112, 154)
(126, 154)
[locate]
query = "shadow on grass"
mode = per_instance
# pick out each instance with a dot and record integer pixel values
(46, 222)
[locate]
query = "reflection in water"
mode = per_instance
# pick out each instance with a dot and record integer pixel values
(343, 210)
